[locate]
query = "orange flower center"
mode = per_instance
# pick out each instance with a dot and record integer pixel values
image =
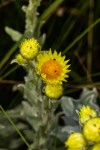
(52, 69)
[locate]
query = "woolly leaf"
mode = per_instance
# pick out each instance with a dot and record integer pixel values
(67, 105)
(15, 35)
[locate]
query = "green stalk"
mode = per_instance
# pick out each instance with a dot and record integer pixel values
(9, 72)
(48, 12)
(90, 41)
(9, 54)
(81, 36)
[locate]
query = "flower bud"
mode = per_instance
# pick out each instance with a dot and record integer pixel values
(76, 141)
(54, 91)
(29, 48)
(20, 59)
(91, 130)
(86, 113)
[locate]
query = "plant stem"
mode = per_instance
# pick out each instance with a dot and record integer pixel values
(90, 41)
(81, 36)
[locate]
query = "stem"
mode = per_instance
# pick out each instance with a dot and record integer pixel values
(90, 41)
(81, 35)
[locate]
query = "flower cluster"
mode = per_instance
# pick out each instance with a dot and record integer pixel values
(50, 66)
(53, 69)
(90, 136)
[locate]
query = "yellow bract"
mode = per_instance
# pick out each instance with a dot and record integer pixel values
(29, 48)
(91, 130)
(54, 91)
(52, 67)
(76, 141)
(20, 59)
(85, 113)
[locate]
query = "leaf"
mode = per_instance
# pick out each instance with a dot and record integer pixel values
(59, 134)
(29, 110)
(15, 35)
(89, 97)
(67, 105)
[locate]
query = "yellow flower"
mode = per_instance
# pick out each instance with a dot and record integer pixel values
(85, 113)
(96, 147)
(20, 59)
(76, 141)
(91, 130)
(54, 91)
(52, 67)
(29, 48)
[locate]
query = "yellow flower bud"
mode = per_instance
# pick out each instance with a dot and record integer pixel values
(54, 91)
(29, 48)
(76, 141)
(96, 147)
(91, 130)
(20, 59)
(85, 113)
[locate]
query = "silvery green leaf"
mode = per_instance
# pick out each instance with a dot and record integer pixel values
(30, 95)
(62, 136)
(29, 110)
(42, 39)
(35, 123)
(67, 105)
(89, 97)
(70, 120)
(15, 35)
(20, 87)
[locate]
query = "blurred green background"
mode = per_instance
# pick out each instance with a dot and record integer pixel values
(65, 26)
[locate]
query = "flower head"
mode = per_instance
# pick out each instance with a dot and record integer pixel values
(76, 141)
(91, 130)
(54, 91)
(20, 59)
(96, 147)
(85, 113)
(29, 48)
(52, 67)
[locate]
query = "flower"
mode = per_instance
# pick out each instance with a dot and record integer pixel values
(91, 130)
(76, 141)
(54, 91)
(52, 67)
(85, 113)
(20, 59)
(96, 147)
(29, 48)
